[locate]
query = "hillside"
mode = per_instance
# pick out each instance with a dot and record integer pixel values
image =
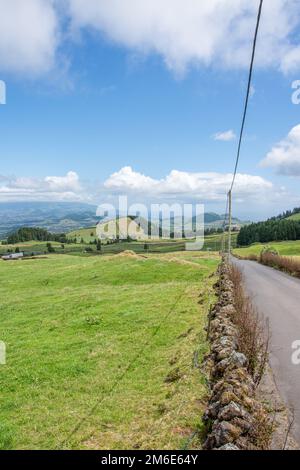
(123, 227)
(284, 248)
(294, 217)
(88, 235)
(285, 226)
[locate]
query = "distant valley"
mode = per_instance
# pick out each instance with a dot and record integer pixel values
(66, 217)
(55, 217)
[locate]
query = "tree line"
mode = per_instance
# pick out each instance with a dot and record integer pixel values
(26, 234)
(275, 229)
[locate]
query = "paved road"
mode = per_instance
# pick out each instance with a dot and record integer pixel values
(277, 296)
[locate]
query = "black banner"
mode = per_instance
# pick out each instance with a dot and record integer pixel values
(134, 459)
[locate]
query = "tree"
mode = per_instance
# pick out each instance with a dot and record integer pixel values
(50, 248)
(26, 234)
(17, 250)
(99, 247)
(146, 247)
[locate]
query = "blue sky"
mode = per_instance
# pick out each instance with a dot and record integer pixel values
(105, 104)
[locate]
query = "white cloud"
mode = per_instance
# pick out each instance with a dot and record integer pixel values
(177, 186)
(226, 136)
(184, 33)
(70, 182)
(28, 36)
(180, 184)
(206, 32)
(50, 188)
(285, 156)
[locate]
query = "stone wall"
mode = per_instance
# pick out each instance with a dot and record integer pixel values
(233, 415)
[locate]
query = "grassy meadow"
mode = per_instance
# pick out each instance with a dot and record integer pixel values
(86, 247)
(294, 217)
(285, 248)
(87, 234)
(104, 352)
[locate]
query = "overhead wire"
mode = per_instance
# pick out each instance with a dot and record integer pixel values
(237, 160)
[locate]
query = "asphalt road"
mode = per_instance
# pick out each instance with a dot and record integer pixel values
(276, 295)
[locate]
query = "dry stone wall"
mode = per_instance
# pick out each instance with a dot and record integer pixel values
(233, 413)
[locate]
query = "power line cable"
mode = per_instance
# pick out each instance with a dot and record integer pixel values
(245, 106)
(248, 92)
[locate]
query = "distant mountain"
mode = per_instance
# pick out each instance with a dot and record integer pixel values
(63, 217)
(55, 217)
(210, 217)
(218, 223)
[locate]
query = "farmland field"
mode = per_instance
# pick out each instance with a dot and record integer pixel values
(285, 248)
(104, 352)
(88, 248)
(87, 234)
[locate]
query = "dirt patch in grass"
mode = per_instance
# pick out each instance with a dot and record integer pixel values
(128, 254)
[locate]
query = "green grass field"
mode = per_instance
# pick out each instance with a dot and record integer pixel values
(41, 247)
(166, 246)
(294, 217)
(211, 243)
(100, 350)
(87, 234)
(286, 248)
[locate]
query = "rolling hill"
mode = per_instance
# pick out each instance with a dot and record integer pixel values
(61, 217)
(294, 217)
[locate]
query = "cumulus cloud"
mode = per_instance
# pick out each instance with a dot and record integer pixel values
(70, 182)
(226, 136)
(182, 185)
(206, 32)
(29, 36)
(50, 188)
(179, 186)
(285, 156)
(183, 33)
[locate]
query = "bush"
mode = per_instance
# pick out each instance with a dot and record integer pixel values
(50, 248)
(284, 263)
(269, 249)
(253, 335)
